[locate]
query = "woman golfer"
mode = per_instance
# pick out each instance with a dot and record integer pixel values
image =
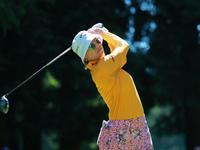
(126, 128)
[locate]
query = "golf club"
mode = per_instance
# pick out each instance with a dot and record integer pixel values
(4, 103)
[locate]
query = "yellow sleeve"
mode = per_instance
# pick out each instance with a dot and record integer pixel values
(117, 58)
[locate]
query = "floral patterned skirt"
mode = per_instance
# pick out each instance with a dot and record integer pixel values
(129, 134)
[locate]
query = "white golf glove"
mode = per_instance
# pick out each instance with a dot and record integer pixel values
(100, 25)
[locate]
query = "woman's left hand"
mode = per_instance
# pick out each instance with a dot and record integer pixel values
(96, 31)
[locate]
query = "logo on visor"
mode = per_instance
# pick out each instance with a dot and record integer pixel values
(81, 35)
(77, 48)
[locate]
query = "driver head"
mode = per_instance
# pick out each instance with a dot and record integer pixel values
(4, 105)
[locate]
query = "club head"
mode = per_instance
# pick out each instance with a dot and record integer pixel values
(4, 105)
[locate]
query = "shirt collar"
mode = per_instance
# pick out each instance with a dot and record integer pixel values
(92, 64)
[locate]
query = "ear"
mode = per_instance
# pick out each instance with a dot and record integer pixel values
(86, 61)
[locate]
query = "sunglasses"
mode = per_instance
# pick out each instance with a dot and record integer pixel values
(92, 46)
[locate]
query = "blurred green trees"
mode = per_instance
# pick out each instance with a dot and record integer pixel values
(61, 103)
(166, 42)
(60, 108)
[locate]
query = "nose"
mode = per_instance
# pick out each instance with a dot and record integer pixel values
(98, 45)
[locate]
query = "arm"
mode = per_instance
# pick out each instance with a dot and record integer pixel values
(117, 58)
(113, 42)
(119, 48)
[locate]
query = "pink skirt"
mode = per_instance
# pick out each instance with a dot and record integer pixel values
(129, 134)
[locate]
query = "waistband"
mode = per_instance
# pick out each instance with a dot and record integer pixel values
(126, 122)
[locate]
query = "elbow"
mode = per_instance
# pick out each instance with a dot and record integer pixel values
(126, 46)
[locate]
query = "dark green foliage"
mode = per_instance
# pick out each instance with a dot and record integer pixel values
(172, 62)
(62, 99)
(61, 103)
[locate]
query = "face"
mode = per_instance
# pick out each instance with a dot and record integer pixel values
(95, 50)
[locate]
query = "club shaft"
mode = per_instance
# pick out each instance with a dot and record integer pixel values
(38, 71)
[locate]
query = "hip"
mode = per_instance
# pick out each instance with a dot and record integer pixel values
(125, 134)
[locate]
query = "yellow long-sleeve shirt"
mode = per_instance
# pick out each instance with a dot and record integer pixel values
(114, 84)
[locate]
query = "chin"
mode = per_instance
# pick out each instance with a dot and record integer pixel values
(103, 54)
